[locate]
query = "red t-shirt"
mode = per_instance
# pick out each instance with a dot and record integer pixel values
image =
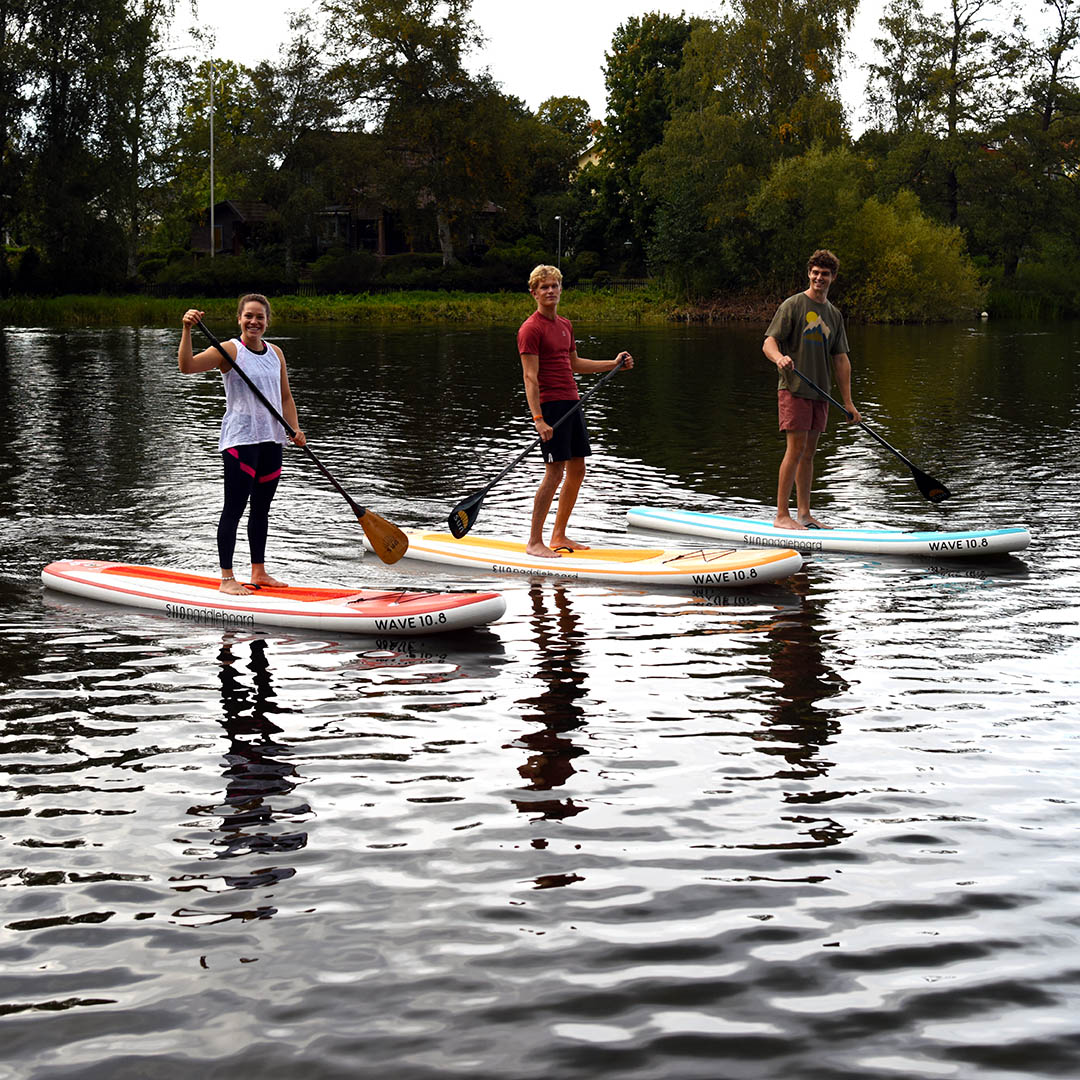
(552, 340)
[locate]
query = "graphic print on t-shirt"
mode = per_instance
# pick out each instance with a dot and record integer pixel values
(816, 328)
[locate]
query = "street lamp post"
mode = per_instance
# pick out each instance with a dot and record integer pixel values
(558, 250)
(212, 244)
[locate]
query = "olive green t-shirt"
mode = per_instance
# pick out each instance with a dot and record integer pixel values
(811, 334)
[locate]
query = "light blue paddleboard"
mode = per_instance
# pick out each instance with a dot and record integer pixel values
(749, 533)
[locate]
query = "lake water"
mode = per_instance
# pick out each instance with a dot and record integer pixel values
(826, 829)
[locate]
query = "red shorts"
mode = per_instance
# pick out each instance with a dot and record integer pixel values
(800, 413)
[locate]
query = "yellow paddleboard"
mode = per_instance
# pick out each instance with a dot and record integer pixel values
(715, 567)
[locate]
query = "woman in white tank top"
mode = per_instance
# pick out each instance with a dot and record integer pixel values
(251, 439)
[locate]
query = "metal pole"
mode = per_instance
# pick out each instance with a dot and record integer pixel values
(558, 253)
(212, 244)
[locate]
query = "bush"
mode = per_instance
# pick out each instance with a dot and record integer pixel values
(509, 267)
(28, 275)
(896, 265)
(345, 272)
(226, 275)
(902, 267)
(412, 270)
(151, 266)
(583, 265)
(1043, 288)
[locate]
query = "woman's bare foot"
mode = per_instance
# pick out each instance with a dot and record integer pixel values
(233, 587)
(541, 551)
(808, 521)
(267, 581)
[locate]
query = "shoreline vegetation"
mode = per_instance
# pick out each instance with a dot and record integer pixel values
(406, 307)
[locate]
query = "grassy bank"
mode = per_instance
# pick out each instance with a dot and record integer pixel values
(377, 308)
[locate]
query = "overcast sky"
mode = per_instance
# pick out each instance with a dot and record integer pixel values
(554, 48)
(534, 51)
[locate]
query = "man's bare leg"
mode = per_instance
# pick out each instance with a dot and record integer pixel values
(575, 474)
(804, 482)
(553, 474)
(790, 468)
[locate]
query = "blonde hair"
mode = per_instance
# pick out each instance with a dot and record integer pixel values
(542, 273)
(256, 298)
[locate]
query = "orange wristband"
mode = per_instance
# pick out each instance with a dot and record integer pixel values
(540, 417)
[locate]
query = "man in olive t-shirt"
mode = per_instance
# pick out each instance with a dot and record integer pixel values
(807, 333)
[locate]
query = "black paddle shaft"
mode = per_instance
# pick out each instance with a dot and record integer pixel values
(463, 515)
(358, 510)
(869, 430)
(566, 416)
(933, 489)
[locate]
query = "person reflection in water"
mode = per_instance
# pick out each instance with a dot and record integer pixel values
(259, 777)
(259, 774)
(798, 729)
(551, 755)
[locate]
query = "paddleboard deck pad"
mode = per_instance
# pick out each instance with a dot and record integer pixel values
(715, 567)
(195, 597)
(762, 534)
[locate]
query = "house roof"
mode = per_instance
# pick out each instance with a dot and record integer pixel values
(246, 211)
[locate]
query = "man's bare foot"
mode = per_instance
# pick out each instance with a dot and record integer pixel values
(786, 521)
(267, 581)
(808, 521)
(564, 543)
(541, 551)
(233, 587)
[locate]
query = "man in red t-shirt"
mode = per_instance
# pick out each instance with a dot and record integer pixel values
(549, 360)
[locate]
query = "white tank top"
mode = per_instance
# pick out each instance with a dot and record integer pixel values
(247, 420)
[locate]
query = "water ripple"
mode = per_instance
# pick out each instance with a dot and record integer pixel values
(821, 830)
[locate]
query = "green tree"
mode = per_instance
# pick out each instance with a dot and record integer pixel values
(806, 202)
(898, 264)
(569, 115)
(242, 157)
(1051, 89)
(951, 76)
(451, 140)
(899, 86)
(645, 52)
(297, 108)
(1025, 182)
(757, 86)
(72, 53)
(131, 147)
(14, 104)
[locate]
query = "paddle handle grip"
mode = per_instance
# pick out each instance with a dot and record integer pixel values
(358, 510)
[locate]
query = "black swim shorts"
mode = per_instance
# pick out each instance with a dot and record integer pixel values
(571, 438)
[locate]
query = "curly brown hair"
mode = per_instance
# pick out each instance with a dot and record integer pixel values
(824, 258)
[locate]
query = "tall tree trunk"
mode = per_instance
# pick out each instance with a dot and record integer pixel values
(446, 239)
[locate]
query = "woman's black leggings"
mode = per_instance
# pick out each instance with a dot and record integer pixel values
(251, 473)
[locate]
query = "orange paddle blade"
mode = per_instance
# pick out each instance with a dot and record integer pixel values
(385, 538)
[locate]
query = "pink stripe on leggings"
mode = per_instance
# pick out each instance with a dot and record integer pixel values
(247, 468)
(269, 476)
